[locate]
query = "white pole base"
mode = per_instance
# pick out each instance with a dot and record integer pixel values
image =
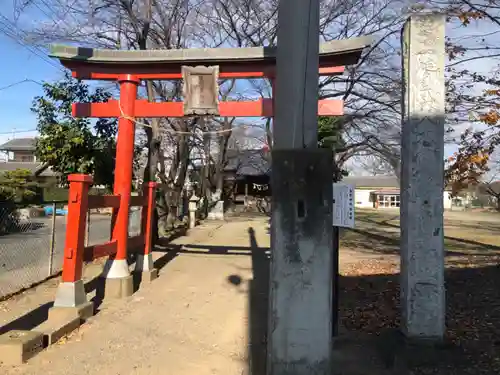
(116, 269)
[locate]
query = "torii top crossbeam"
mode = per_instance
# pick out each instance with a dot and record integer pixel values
(251, 62)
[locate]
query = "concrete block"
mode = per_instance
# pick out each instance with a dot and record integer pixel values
(149, 276)
(58, 326)
(84, 311)
(119, 287)
(70, 294)
(16, 347)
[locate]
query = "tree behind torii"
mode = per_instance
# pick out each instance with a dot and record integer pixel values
(74, 145)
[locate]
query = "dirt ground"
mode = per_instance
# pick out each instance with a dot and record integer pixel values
(471, 238)
(206, 314)
(370, 290)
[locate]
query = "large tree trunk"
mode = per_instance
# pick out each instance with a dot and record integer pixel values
(177, 176)
(151, 168)
(221, 158)
(205, 172)
(153, 133)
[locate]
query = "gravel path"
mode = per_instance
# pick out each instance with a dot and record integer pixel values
(192, 320)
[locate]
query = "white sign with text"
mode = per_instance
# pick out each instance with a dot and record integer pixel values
(343, 205)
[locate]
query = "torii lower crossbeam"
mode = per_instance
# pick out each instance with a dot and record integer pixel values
(143, 108)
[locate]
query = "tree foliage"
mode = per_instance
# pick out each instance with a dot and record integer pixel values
(74, 145)
(472, 93)
(17, 186)
(331, 135)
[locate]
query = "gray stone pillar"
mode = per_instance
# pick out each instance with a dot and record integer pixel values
(193, 206)
(300, 329)
(422, 170)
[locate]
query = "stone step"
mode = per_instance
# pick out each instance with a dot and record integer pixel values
(58, 326)
(17, 346)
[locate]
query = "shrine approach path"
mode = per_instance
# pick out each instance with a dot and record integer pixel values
(205, 314)
(192, 320)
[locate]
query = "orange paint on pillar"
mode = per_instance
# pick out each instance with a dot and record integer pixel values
(124, 160)
(79, 185)
(148, 216)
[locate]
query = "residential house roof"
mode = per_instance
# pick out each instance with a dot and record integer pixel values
(380, 182)
(375, 182)
(19, 144)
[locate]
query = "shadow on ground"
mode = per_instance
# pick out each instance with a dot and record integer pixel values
(258, 295)
(258, 289)
(383, 237)
(37, 316)
(28, 321)
(370, 304)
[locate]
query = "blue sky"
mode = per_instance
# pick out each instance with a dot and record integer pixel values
(19, 63)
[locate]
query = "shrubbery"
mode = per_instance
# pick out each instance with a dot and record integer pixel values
(59, 194)
(16, 189)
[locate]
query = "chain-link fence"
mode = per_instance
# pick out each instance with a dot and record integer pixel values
(32, 242)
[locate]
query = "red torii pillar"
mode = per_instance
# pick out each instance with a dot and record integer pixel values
(116, 271)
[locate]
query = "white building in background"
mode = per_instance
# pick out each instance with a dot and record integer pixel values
(381, 192)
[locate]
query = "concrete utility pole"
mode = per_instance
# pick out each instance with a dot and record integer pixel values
(422, 170)
(297, 60)
(300, 311)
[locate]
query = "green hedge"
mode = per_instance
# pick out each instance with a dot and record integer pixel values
(57, 194)
(51, 194)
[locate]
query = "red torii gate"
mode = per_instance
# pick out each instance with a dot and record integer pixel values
(129, 68)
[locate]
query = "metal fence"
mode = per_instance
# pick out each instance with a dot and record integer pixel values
(32, 242)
